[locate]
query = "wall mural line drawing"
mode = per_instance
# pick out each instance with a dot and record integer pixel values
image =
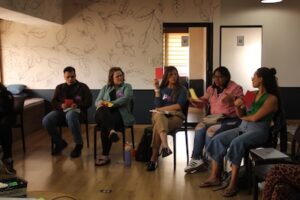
(105, 33)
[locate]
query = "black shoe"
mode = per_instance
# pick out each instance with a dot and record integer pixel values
(152, 165)
(59, 147)
(76, 151)
(166, 152)
(114, 137)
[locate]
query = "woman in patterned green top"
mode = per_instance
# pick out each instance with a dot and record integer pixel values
(254, 128)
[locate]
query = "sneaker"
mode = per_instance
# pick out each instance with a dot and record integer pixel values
(59, 147)
(194, 165)
(76, 151)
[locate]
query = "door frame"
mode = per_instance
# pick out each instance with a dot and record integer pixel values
(209, 43)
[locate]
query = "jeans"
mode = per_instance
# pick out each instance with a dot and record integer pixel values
(253, 134)
(201, 139)
(56, 118)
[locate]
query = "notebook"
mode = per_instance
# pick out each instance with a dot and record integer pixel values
(269, 153)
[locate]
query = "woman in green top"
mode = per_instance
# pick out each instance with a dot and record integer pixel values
(113, 111)
(254, 128)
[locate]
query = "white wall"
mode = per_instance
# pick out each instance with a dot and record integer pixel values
(281, 30)
(104, 34)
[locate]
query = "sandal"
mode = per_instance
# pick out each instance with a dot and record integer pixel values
(101, 162)
(210, 184)
(229, 192)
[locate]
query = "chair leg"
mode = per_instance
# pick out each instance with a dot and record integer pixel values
(255, 188)
(123, 142)
(87, 134)
(174, 150)
(132, 137)
(23, 137)
(95, 143)
(187, 147)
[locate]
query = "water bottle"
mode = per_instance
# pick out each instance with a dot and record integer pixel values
(127, 153)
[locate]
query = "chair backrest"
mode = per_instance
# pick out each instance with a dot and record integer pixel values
(18, 110)
(296, 144)
(279, 128)
(19, 104)
(131, 105)
(185, 109)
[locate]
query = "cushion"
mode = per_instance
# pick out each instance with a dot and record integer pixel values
(16, 88)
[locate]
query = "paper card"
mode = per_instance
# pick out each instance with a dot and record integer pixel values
(249, 98)
(193, 94)
(68, 102)
(159, 72)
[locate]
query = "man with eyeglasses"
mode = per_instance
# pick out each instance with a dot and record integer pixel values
(70, 103)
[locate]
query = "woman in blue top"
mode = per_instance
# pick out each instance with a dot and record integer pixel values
(113, 111)
(254, 128)
(170, 99)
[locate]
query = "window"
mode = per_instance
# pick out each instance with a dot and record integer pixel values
(176, 52)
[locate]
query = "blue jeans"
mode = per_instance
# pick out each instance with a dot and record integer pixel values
(252, 134)
(56, 118)
(201, 139)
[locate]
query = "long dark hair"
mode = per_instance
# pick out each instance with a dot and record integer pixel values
(269, 81)
(225, 73)
(165, 81)
(111, 72)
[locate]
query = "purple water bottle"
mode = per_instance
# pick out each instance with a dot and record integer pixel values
(127, 153)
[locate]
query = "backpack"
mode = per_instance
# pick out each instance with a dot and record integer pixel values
(144, 150)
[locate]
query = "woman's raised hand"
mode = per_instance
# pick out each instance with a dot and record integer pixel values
(156, 84)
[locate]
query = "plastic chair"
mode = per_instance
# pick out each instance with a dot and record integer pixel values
(18, 110)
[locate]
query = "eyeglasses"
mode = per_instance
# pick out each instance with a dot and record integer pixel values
(217, 76)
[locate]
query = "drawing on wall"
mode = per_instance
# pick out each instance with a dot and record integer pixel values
(106, 33)
(178, 7)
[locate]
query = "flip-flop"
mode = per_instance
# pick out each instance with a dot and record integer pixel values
(102, 162)
(209, 184)
(230, 192)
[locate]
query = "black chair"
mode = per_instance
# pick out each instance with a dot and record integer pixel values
(183, 128)
(262, 167)
(18, 110)
(83, 120)
(279, 128)
(123, 130)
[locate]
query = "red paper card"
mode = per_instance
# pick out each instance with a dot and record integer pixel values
(249, 98)
(69, 102)
(159, 72)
